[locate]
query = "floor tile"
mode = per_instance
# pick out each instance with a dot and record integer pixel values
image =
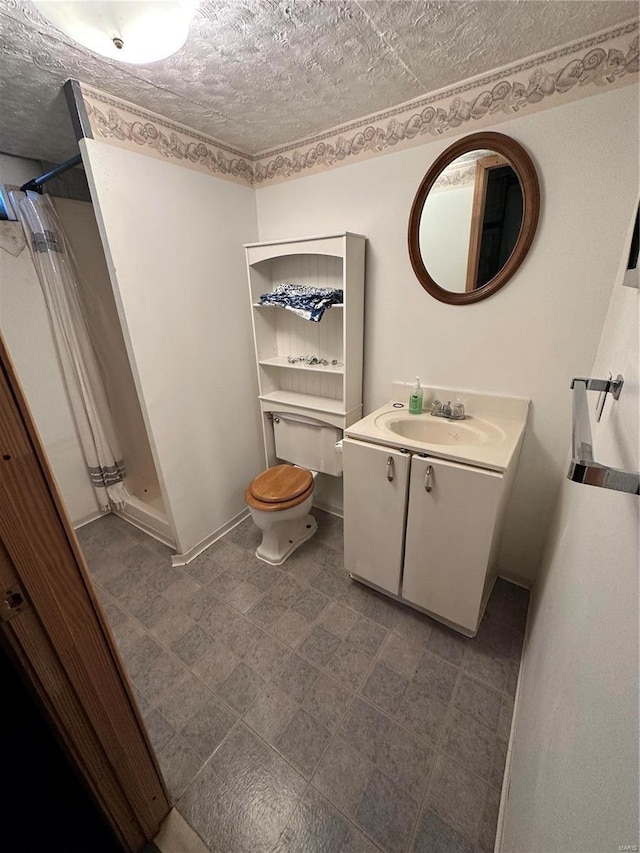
(478, 701)
(385, 688)
(338, 620)
(327, 701)
(332, 582)
(182, 591)
(367, 636)
(246, 535)
(447, 644)
(319, 646)
(163, 578)
(159, 677)
(310, 604)
(342, 775)
(318, 827)
(160, 731)
(203, 568)
(183, 699)
(411, 624)
(387, 813)
(191, 645)
(349, 664)
(303, 567)
(179, 765)
(437, 675)
(457, 797)
(155, 609)
(287, 590)
(489, 822)
(265, 576)
(470, 744)
(303, 742)
(271, 713)
(487, 666)
(266, 655)
(503, 729)
(267, 611)
(297, 677)
(422, 712)
(244, 796)
(208, 727)
(171, 625)
(498, 762)
(197, 663)
(240, 687)
(365, 728)
(406, 760)
(291, 628)
(433, 835)
(243, 596)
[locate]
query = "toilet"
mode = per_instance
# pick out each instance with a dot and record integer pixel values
(280, 498)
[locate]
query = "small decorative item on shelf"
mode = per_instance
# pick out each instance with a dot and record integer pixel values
(307, 302)
(313, 360)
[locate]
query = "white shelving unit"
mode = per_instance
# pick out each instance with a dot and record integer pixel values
(333, 392)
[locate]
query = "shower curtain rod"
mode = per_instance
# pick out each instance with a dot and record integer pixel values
(36, 183)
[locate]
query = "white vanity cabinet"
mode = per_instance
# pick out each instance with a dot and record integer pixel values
(452, 514)
(422, 529)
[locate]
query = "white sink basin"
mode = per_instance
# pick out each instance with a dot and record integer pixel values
(425, 429)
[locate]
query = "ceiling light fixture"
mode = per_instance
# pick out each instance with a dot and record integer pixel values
(136, 31)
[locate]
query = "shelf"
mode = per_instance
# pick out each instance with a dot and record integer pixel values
(281, 361)
(305, 401)
(281, 307)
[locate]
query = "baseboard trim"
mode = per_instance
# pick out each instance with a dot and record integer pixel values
(506, 781)
(134, 521)
(185, 558)
(517, 580)
(332, 510)
(87, 519)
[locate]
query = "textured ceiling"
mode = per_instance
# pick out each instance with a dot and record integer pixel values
(257, 74)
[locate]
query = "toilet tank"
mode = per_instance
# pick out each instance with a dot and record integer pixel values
(307, 442)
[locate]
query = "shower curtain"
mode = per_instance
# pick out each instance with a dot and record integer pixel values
(58, 278)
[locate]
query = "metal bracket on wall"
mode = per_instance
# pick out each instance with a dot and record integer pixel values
(583, 467)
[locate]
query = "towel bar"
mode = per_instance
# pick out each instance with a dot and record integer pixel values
(583, 467)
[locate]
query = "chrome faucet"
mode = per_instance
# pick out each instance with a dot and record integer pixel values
(444, 410)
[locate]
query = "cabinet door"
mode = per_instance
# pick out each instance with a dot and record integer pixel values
(375, 496)
(449, 536)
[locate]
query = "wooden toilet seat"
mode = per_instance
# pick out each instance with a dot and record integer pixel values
(279, 488)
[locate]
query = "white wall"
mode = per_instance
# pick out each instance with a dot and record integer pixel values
(538, 331)
(574, 768)
(81, 230)
(173, 240)
(24, 323)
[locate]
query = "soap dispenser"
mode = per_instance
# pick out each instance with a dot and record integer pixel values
(415, 400)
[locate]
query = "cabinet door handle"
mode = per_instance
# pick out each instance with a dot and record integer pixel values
(390, 468)
(428, 485)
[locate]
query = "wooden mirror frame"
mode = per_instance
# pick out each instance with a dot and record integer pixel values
(526, 172)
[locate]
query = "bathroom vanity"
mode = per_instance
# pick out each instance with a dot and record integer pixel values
(425, 499)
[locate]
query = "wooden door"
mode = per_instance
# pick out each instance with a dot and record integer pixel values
(375, 496)
(450, 524)
(54, 628)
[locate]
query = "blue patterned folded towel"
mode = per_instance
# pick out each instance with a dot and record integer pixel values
(307, 302)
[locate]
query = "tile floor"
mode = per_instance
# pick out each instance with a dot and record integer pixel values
(293, 709)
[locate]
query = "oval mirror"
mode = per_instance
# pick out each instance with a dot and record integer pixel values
(473, 218)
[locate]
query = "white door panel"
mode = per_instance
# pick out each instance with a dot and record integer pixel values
(448, 538)
(375, 494)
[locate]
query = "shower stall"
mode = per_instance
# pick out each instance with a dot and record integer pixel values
(32, 346)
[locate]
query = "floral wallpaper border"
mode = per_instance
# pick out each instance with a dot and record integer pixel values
(578, 70)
